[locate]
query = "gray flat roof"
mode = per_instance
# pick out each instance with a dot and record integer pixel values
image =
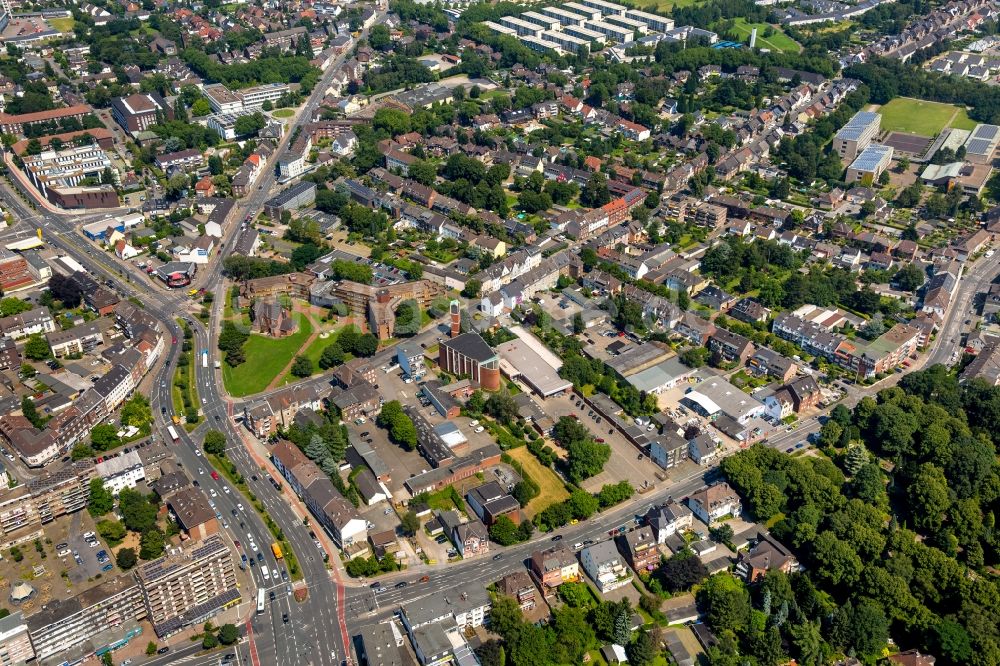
(532, 367)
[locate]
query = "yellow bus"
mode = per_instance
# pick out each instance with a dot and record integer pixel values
(276, 549)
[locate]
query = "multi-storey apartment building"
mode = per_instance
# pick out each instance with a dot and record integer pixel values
(188, 587)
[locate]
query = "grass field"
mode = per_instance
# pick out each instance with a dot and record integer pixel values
(283, 113)
(315, 350)
(664, 5)
(266, 357)
(779, 41)
(552, 489)
(64, 24)
(918, 116)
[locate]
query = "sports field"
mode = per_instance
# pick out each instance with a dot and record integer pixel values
(779, 41)
(918, 116)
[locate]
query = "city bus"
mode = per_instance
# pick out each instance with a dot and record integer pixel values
(173, 433)
(276, 549)
(260, 600)
(204, 358)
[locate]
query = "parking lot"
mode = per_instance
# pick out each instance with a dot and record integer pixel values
(624, 463)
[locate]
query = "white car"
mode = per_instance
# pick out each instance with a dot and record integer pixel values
(212, 492)
(201, 470)
(197, 452)
(225, 489)
(253, 546)
(89, 535)
(239, 506)
(479, 429)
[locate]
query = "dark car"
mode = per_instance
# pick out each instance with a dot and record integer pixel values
(163, 650)
(401, 584)
(497, 557)
(284, 618)
(557, 537)
(270, 595)
(260, 557)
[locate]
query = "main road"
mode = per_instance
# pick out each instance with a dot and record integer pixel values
(313, 633)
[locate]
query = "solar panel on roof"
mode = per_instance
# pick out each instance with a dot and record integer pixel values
(986, 131)
(977, 146)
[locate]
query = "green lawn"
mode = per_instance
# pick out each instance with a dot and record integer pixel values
(779, 41)
(64, 24)
(315, 350)
(918, 116)
(551, 488)
(266, 357)
(283, 113)
(665, 5)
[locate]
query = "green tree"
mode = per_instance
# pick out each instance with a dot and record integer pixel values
(578, 324)
(209, 641)
(37, 348)
(409, 523)
(504, 531)
(138, 510)
(112, 531)
(100, 501)
(727, 603)
(126, 559)
(642, 651)
(929, 497)
(501, 406)
(215, 443)
(228, 634)
(472, 288)
(29, 412)
(104, 437)
(333, 355)
(151, 648)
(302, 367)
(151, 544)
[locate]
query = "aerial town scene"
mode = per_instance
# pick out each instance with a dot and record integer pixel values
(487, 333)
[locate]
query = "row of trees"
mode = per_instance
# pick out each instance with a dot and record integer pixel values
(888, 555)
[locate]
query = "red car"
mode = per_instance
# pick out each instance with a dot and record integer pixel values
(215, 475)
(173, 340)
(600, 440)
(236, 542)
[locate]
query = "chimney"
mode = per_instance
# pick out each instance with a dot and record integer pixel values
(456, 318)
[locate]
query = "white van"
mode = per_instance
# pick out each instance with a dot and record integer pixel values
(264, 572)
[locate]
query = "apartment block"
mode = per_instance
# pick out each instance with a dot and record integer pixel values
(187, 587)
(75, 628)
(15, 643)
(855, 136)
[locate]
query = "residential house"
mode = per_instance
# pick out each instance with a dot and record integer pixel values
(715, 502)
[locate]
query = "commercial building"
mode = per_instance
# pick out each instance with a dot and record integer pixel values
(298, 195)
(80, 626)
(468, 354)
(518, 360)
(253, 98)
(139, 112)
(715, 396)
(188, 586)
(224, 124)
(15, 272)
(870, 164)
(66, 169)
(222, 99)
(193, 513)
(982, 143)
(855, 136)
(463, 606)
